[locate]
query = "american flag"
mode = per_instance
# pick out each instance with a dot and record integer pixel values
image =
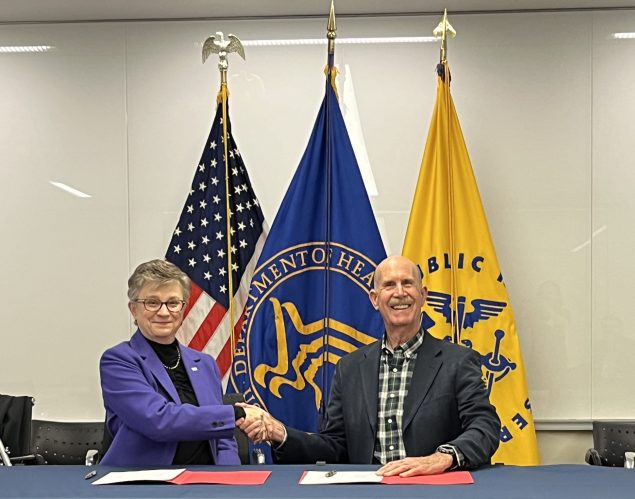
(199, 246)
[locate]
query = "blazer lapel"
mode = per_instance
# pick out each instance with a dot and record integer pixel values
(426, 368)
(369, 370)
(152, 362)
(193, 367)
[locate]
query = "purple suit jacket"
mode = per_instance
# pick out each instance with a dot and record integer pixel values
(145, 415)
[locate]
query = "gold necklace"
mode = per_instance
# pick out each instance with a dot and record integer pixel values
(178, 361)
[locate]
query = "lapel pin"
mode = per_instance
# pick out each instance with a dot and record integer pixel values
(195, 368)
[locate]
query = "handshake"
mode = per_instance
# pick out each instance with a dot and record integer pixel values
(260, 426)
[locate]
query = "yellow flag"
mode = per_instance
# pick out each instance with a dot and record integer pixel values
(449, 238)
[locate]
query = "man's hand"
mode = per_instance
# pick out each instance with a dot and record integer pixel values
(252, 420)
(411, 466)
(259, 425)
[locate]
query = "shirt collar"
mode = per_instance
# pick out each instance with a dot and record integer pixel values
(409, 348)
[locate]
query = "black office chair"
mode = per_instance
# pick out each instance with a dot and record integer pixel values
(67, 443)
(241, 438)
(105, 441)
(611, 439)
(15, 430)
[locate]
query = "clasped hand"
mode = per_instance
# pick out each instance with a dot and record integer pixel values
(259, 425)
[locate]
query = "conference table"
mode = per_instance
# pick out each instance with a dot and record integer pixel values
(495, 482)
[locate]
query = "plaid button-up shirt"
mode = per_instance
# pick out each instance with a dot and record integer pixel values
(395, 372)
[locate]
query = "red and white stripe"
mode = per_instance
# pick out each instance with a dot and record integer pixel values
(206, 322)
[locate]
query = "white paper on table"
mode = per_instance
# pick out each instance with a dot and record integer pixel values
(323, 478)
(139, 476)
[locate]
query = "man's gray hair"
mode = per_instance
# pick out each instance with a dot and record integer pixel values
(158, 272)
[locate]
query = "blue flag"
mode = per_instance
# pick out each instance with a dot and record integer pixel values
(308, 302)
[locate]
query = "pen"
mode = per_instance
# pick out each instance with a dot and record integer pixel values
(329, 474)
(90, 474)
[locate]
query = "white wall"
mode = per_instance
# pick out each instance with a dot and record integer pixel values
(121, 111)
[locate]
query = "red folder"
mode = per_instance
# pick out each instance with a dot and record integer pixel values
(222, 477)
(448, 478)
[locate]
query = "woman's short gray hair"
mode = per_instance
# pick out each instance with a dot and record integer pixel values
(157, 272)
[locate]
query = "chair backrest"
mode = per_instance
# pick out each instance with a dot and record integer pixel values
(66, 443)
(15, 423)
(241, 438)
(611, 439)
(105, 441)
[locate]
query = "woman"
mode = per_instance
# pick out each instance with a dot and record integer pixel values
(164, 400)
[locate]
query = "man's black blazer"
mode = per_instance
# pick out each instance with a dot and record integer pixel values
(446, 404)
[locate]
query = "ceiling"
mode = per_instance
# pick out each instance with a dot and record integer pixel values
(21, 11)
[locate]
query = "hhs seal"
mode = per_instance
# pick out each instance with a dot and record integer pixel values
(307, 307)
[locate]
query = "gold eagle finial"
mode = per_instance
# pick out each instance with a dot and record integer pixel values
(217, 44)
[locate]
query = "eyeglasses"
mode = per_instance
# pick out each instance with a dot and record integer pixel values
(154, 305)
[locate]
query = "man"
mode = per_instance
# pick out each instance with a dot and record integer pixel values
(411, 402)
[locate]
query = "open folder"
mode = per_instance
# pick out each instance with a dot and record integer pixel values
(341, 477)
(184, 477)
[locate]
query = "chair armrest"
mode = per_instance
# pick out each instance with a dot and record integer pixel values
(92, 457)
(28, 459)
(593, 458)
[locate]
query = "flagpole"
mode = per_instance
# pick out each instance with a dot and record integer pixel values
(331, 34)
(441, 31)
(218, 44)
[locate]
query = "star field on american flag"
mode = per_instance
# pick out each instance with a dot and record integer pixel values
(199, 245)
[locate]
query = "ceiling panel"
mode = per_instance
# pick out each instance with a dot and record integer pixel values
(12, 11)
